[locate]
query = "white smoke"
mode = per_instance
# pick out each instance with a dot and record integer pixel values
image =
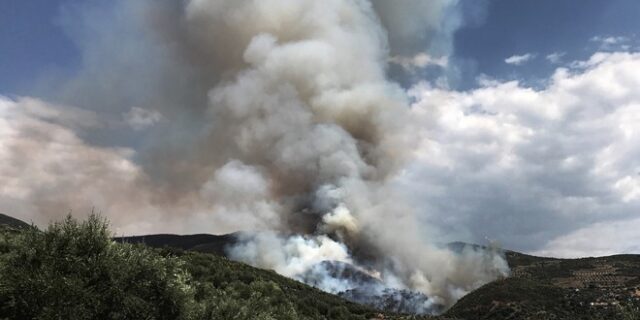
(278, 116)
(291, 256)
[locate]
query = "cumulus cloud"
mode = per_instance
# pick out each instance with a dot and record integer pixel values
(419, 61)
(609, 43)
(140, 119)
(526, 167)
(555, 57)
(518, 60)
(599, 239)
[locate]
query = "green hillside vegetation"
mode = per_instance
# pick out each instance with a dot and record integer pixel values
(74, 270)
(512, 298)
(549, 288)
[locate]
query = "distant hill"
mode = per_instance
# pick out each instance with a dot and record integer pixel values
(538, 287)
(205, 243)
(13, 222)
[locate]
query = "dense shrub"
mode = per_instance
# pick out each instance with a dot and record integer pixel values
(75, 271)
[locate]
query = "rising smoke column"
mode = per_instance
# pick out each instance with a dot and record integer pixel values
(309, 110)
(280, 119)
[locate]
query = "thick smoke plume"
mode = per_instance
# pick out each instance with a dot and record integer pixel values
(274, 116)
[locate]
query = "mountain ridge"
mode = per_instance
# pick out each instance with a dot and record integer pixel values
(13, 222)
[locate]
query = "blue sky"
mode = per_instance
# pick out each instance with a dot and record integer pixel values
(34, 44)
(541, 28)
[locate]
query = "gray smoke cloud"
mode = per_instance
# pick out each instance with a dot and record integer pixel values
(414, 26)
(272, 116)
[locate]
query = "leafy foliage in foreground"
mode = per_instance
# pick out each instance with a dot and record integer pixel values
(74, 270)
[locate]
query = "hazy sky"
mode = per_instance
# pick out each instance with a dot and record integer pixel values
(529, 116)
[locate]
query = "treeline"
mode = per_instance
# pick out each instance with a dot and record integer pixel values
(74, 270)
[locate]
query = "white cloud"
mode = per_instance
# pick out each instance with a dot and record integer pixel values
(420, 61)
(555, 57)
(599, 239)
(518, 60)
(526, 167)
(140, 119)
(609, 40)
(609, 43)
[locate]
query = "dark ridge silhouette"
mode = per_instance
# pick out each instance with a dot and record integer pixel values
(13, 222)
(205, 243)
